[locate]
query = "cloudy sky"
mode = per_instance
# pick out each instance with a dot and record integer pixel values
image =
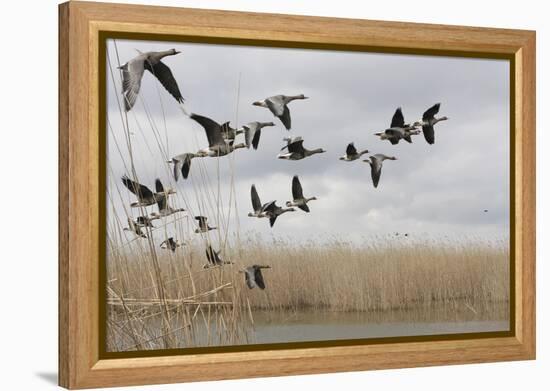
(439, 190)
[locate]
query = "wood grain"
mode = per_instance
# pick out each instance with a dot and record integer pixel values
(79, 25)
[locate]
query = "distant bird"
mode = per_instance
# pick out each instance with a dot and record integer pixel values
(182, 163)
(485, 210)
(428, 122)
(398, 129)
(217, 145)
(214, 259)
(376, 166)
(352, 153)
(144, 195)
(272, 210)
(256, 204)
(229, 133)
(253, 276)
(135, 228)
(132, 73)
(278, 106)
(296, 150)
(170, 244)
(203, 225)
(298, 198)
(253, 131)
(146, 221)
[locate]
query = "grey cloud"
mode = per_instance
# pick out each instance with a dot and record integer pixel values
(438, 189)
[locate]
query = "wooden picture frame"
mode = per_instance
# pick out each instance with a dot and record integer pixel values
(80, 27)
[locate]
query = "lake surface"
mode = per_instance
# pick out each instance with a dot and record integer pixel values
(317, 326)
(270, 327)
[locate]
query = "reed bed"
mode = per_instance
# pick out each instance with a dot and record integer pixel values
(384, 277)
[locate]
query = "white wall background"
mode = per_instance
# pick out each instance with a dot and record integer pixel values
(28, 276)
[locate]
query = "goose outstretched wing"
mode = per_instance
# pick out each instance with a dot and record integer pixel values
(398, 121)
(296, 147)
(351, 150)
(259, 278)
(256, 203)
(163, 73)
(138, 189)
(431, 112)
(212, 129)
(132, 73)
(297, 192)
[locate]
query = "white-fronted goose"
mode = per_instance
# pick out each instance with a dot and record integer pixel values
(296, 150)
(253, 276)
(298, 198)
(352, 153)
(272, 210)
(217, 146)
(135, 228)
(253, 131)
(376, 166)
(214, 259)
(144, 195)
(278, 106)
(170, 244)
(132, 73)
(399, 129)
(146, 221)
(428, 122)
(203, 225)
(164, 209)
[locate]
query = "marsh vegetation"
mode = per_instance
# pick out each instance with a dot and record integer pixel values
(398, 283)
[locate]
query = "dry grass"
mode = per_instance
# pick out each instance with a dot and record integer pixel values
(337, 276)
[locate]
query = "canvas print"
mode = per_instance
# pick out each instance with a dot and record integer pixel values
(265, 195)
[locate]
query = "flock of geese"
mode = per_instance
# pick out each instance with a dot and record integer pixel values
(221, 142)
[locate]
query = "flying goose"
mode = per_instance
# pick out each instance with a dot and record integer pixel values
(170, 244)
(164, 209)
(296, 150)
(214, 259)
(135, 228)
(399, 129)
(428, 122)
(182, 163)
(278, 106)
(376, 166)
(146, 221)
(256, 204)
(253, 131)
(217, 146)
(132, 73)
(203, 225)
(272, 210)
(298, 198)
(352, 153)
(253, 276)
(144, 195)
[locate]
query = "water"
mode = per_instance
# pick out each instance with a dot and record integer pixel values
(319, 326)
(305, 326)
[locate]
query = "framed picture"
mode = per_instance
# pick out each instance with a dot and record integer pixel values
(247, 195)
